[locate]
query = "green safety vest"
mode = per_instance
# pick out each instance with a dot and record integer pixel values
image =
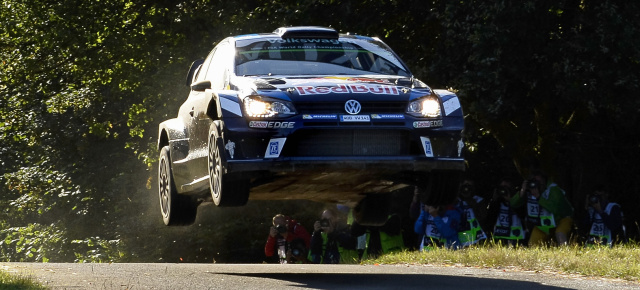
(542, 218)
(474, 233)
(432, 238)
(600, 234)
(389, 243)
(347, 256)
(508, 225)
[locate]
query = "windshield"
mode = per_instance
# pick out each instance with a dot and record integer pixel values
(316, 57)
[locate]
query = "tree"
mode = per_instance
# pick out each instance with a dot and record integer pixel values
(552, 82)
(77, 82)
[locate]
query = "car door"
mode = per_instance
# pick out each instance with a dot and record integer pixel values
(217, 74)
(189, 114)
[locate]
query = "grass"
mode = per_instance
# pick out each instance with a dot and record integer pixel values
(622, 261)
(10, 281)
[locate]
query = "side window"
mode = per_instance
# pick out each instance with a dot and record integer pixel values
(218, 70)
(202, 70)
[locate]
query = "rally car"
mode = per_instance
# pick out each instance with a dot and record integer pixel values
(307, 113)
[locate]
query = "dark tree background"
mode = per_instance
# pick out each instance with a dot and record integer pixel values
(84, 84)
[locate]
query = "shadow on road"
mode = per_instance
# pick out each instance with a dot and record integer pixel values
(390, 281)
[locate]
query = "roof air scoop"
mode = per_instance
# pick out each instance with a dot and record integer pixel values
(307, 32)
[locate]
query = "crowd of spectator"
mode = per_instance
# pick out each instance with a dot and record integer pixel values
(534, 213)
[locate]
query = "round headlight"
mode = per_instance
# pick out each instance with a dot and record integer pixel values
(415, 107)
(430, 108)
(257, 108)
(280, 108)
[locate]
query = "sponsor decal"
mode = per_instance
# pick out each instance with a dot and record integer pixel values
(387, 116)
(426, 145)
(319, 117)
(303, 40)
(361, 80)
(355, 118)
(451, 105)
(258, 124)
(348, 88)
(271, 125)
(231, 147)
(427, 124)
(230, 106)
(274, 148)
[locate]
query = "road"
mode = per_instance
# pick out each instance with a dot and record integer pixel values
(267, 276)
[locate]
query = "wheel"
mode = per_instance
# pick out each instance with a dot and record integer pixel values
(373, 210)
(176, 210)
(224, 191)
(440, 188)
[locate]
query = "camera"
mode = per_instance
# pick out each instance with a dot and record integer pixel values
(532, 184)
(298, 248)
(503, 191)
(594, 199)
(466, 189)
(325, 223)
(281, 229)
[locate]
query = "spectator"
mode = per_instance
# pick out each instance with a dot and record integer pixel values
(439, 227)
(473, 210)
(414, 240)
(603, 220)
(331, 242)
(288, 239)
(380, 240)
(549, 213)
(508, 229)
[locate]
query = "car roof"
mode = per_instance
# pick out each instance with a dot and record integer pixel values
(302, 32)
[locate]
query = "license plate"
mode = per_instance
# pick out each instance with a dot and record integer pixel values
(355, 118)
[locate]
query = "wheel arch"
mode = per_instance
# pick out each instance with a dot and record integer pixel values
(170, 130)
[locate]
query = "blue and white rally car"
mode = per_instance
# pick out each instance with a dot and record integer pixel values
(307, 113)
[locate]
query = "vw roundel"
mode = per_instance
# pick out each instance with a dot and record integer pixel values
(352, 107)
(307, 113)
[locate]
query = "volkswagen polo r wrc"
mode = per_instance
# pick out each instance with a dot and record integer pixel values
(307, 113)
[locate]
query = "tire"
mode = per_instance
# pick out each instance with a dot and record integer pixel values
(176, 210)
(224, 192)
(441, 188)
(373, 210)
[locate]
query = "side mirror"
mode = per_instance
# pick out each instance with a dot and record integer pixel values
(201, 86)
(192, 70)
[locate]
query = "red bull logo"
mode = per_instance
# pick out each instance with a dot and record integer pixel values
(348, 88)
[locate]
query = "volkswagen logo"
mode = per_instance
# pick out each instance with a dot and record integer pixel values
(352, 107)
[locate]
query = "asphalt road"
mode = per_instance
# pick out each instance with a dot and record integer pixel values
(267, 276)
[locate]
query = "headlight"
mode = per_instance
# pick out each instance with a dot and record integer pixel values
(256, 106)
(425, 107)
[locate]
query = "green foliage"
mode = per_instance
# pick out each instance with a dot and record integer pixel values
(97, 250)
(39, 192)
(33, 243)
(44, 243)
